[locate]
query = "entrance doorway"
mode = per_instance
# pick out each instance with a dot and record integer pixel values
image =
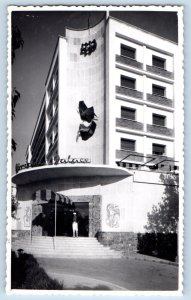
(82, 213)
(53, 214)
(65, 218)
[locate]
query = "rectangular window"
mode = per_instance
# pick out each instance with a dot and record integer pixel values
(128, 113)
(158, 90)
(159, 120)
(158, 62)
(128, 51)
(158, 149)
(128, 145)
(128, 82)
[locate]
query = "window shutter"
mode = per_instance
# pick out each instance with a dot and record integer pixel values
(158, 149)
(128, 113)
(158, 120)
(158, 90)
(128, 51)
(128, 82)
(158, 62)
(128, 145)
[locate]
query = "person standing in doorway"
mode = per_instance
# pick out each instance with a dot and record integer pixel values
(75, 226)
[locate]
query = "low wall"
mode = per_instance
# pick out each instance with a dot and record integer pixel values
(118, 240)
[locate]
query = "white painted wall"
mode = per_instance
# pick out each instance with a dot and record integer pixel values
(139, 109)
(83, 80)
(137, 138)
(169, 116)
(134, 195)
(138, 78)
(139, 49)
(169, 61)
(169, 146)
(169, 87)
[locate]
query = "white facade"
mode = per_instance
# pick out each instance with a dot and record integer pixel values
(129, 96)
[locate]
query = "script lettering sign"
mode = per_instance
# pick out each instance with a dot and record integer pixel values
(57, 160)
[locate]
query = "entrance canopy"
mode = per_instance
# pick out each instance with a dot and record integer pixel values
(65, 171)
(43, 196)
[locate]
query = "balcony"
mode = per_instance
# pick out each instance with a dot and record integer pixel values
(129, 92)
(159, 100)
(52, 123)
(53, 95)
(160, 130)
(129, 155)
(129, 61)
(160, 72)
(130, 124)
(52, 147)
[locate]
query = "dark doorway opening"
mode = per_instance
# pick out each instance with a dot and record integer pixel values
(82, 212)
(54, 216)
(65, 217)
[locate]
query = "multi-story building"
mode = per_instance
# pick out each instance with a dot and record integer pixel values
(130, 82)
(108, 151)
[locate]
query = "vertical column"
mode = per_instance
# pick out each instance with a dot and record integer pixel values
(144, 117)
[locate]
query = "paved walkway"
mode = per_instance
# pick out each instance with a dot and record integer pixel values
(112, 274)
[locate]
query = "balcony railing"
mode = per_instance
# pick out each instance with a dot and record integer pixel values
(129, 61)
(160, 100)
(129, 92)
(160, 130)
(131, 124)
(54, 93)
(52, 122)
(160, 72)
(56, 137)
(51, 148)
(129, 155)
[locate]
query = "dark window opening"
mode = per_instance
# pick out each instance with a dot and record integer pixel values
(159, 120)
(158, 90)
(128, 145)
(128, 82)
(128, 113)
(158, 149)
(128, 51)
(158, 62)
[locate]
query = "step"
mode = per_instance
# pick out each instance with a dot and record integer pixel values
(65, 247)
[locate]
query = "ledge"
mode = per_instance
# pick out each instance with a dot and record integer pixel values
(159, 100)
(160, 72)
(60, 171)
(160, 130)
(127, 123)
(129, 92)
(129, 61)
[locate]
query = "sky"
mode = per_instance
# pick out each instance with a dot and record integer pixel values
(40, 30)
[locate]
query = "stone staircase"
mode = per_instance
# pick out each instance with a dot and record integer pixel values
(64, 247)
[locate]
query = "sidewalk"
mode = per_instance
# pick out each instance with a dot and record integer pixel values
(112, 274)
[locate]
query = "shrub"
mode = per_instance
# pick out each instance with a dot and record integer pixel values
(26, 274)
(162, 245)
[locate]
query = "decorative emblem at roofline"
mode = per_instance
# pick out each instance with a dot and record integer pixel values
(88, 48)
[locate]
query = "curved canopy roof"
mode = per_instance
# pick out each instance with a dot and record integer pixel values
(42, 173)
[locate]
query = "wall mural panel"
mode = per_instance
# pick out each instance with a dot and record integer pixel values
(113, 215)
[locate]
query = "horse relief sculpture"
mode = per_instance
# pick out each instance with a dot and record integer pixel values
(88, 115)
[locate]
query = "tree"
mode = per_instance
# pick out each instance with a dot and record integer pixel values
(17, 42)
(164, 216)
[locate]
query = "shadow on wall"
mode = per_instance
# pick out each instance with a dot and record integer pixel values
(26, 192)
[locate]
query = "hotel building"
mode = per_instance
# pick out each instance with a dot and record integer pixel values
(108, 168)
